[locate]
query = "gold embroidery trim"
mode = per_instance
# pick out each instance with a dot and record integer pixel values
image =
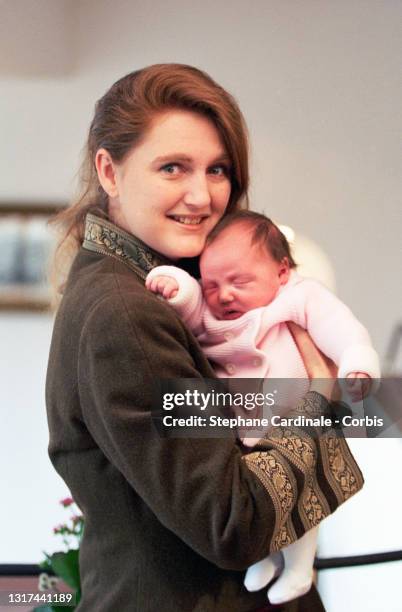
(279, 481)
(104, 237)
(273, 470)
(302, 453)
(342, 472)
(340, 467)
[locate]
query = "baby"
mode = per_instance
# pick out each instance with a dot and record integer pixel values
(249, 290)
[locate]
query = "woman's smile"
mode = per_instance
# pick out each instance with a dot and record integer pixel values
(187, 220)
(191, 222)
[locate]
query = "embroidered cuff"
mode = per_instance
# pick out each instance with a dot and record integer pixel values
(307, 478)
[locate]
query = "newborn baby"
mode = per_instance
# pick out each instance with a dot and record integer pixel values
(249, 289)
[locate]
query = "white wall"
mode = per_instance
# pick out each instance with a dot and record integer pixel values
(30, 488)
(318, 83)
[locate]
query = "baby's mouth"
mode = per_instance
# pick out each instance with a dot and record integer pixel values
(231, 314)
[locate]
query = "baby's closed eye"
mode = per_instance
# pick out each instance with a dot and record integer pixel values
(242, 279)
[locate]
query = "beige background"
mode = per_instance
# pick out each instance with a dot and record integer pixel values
(319, 84)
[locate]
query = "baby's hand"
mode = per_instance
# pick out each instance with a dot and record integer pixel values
(163, 285)
(358, 385)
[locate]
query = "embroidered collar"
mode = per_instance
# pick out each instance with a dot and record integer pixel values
(102, 236)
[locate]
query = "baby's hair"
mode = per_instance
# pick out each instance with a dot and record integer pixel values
(265, 234)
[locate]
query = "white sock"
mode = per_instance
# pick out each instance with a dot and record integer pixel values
(261, 573)
(289, 585)
(297, 577)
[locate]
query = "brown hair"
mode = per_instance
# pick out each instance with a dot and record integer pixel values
(122, 117)
(265, 234)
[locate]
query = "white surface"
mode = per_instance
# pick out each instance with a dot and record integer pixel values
(367, 523)
(30, 488)
(372, 588)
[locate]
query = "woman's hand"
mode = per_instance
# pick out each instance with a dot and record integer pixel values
(321, 370)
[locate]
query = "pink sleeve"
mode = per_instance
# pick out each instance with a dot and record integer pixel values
(336, 331)
(330, 323)
(188, 302)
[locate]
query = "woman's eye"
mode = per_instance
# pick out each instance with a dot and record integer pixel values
(171, 168)
(219, 170)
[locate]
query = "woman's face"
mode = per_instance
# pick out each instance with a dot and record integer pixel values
(172, 189)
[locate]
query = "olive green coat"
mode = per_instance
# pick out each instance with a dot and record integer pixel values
(170, 524)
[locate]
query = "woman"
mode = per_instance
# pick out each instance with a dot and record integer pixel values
(170, 523)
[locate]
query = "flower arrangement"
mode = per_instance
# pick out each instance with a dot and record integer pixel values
(64, 564)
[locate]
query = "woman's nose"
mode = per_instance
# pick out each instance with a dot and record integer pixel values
(197, 192)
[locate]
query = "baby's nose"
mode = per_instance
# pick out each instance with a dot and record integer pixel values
(225, 296)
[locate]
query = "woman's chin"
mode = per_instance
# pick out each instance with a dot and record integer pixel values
(185, 249)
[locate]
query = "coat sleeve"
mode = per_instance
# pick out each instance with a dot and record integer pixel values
(230, 507)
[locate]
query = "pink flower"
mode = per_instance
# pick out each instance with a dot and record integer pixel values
(67, 501)
(76, 519)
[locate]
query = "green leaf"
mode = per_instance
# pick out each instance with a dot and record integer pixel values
(46, 566)
(65, 565)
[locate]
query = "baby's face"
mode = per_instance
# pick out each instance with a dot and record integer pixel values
(238, 276)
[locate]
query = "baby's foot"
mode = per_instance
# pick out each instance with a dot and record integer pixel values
(261, 573)
(250, 441)
(289, 585)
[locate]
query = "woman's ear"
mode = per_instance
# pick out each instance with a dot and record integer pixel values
(106, 170)
(284, 271)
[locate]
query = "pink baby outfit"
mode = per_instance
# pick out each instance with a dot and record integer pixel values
(259, 344)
